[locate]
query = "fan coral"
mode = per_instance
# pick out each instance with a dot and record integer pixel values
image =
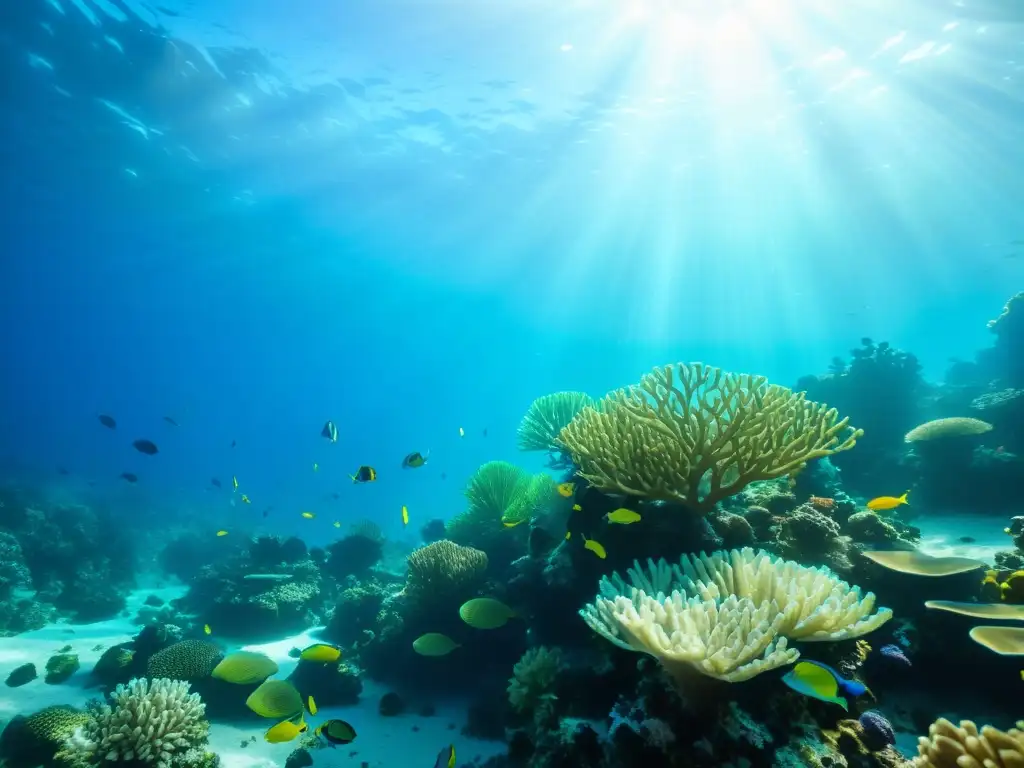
(949, 746)
(444, 570)
(186, 660)
(152, 722)
(746, 607)
(547, 417)
(696, 435)
(533, 678)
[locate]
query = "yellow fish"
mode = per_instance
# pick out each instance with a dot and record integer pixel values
(206, 629)
(568, 535)
(336, 524)
(513, 524)
(883, 503)
(311, 705)
(245, 499)
(594, 547)
(316, 467)
(462, 432)
(222, 533)
(577, 508)
(405, 515)
(322, 653)
(286, 730)
(234, 482)
(566, 489)
(309, 515)
(623, 516)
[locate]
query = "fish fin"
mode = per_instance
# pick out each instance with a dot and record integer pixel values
(842, 703)
(903, 499)
(353, 478)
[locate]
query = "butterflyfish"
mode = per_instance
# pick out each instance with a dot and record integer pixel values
(623, 516)
(485, 613)
(244, 668)
(311, 705)
(364, 475)
(206, 629)
(414, 460)
(309, 515)
(275, 698)
(566, 489)
(222, 532)
(330, 432)
(820, 681)
(336, 732)
(446, 757)
(405, 515)
(885, 503)
(286, 730)
(323, 653)
(434, 644)
(594, 547)
(245, 499)
(147, 447)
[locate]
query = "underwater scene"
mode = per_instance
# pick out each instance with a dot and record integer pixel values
(512, 384)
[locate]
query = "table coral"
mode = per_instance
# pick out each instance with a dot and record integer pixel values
(693, 434)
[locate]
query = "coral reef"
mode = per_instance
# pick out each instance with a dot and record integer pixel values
(356, 553)
(443, 572)
(533, 678)
(186, 660)
(964, 746)
(32, 741)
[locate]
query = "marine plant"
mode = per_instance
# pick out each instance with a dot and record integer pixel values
(533, 678)
(154, 722)
(745, 607)
(694, 434)
(547, 416)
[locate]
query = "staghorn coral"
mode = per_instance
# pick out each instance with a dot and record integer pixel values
(185, 660)
(547, 417)
(964, 746)
(746, 607)
(442, 571)
(151, 722)
(533, 677)
(696, 435)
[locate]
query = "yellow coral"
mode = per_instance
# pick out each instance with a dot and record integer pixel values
(694, 434)
(964, 746)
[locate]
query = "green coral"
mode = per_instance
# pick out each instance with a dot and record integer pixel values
(500, 496)
(60, 667)
(185, 660)
(547, 417)
(533, 678)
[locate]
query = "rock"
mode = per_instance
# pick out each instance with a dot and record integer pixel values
(391, 704)
(26, 673)
(60, 667)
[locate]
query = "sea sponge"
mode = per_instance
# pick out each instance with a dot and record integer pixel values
(154, 722)
(444, 570)
(693, 434)
(964, 746)
(533, 678)
(939, 429)
(185, 660)
(745, 608)
(547, 417)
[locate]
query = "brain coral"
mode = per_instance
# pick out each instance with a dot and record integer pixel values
(151, 722)
(444, 570)
(185, 660)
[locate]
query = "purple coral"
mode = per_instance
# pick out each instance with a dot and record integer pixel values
(877, 733)
(894, 653)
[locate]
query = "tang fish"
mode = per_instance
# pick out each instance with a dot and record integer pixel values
(286, 730)
(330, 432)
(594, 547)
(364, 474)
(414, 460)
(884, 503)
(623, 516)
(820, 681)
(323, 653)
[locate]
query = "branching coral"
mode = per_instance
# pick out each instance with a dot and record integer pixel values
(152, 722)
(444, 570)
(696, 435)
(964, 746)
(547, 417)
(745, 608)
(533, 677)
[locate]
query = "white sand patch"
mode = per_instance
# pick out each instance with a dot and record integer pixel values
(941, 536)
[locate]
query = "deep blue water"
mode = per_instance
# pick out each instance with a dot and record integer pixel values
(412, 217)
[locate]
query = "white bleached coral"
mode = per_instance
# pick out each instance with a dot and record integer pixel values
(745, 607)
(154, 722)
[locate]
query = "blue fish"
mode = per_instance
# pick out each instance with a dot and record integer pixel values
(820, 681)
(446, 758)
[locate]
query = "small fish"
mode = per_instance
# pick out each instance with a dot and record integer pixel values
(311, 705)
(323, 653)
(336, 524)
(316, 467)
(446, 757)
(107, 421)
(309, 515)
(566, 490)
(171, 421)
(594, 547)
(462, 432)
(336, 732)
(234, 483)
(330, 432)
(405, 515)
(131, 477)
(215, 482)
(414, 460)
(286, 730)
(820, 681)
(967, 540)
(245, 499)
(234, 443)
(434, 644)
(207, 630)
(147, 447)
(63, 471)
(623, 516)
(884, 503)
(222, 533)
(364, 475)
(577, 508)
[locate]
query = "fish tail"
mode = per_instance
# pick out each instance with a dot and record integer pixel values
(353, 478)
(903, 498)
